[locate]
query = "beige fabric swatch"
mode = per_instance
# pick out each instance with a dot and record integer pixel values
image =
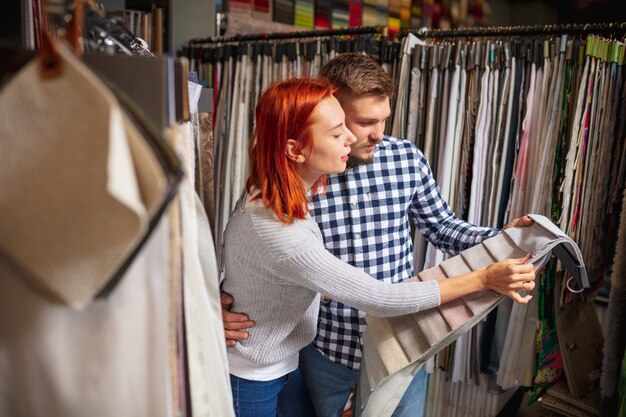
(454, 312)
(70, 202)
(384, 336)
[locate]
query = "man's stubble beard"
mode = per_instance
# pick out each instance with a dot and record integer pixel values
(355, 161)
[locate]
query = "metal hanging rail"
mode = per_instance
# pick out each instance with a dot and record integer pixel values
(595, 28)
(288, 35)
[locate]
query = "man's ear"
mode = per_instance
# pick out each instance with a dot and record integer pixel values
(293, 151)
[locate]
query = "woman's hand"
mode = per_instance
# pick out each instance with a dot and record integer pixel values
(509, 277)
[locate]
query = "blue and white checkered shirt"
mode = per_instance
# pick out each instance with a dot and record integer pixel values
(364, 222)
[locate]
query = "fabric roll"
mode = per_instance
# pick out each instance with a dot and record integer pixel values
(499, 91)
(422, 94)
(537, 129)
(508, 153)
(222, 124)
(503, 118)
(414, 115)
(469, 130)
(573, 148)
(458, 137)
(521, 167)
(399, 122)
(431, 107)
(549, 138)
(475, 204)
(445, 96)
(446, 156)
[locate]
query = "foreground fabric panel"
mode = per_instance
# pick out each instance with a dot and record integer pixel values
(109, 359)
(208, 378)
(79, 193)
(395, 348)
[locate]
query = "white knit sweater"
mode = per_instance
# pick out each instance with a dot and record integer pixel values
(276, 273)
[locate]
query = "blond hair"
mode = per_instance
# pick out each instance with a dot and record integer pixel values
(359, 75)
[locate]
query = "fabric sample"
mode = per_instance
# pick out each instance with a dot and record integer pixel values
(378, 378)
(65, 247)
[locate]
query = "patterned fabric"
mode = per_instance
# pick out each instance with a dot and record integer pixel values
(364, 222)
(549, 361)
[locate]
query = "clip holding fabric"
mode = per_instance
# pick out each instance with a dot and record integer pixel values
(567, 284)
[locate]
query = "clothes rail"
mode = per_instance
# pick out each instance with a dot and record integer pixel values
(596, 28)
(289, 35)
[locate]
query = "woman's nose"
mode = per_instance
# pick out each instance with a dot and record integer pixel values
(351, 137)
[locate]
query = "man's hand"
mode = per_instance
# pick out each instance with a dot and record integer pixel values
(234, 323)
(523, 221)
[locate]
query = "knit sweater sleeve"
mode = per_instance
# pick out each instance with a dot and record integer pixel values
(319, 270)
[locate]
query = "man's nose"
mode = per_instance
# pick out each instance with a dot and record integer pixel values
(378, 131)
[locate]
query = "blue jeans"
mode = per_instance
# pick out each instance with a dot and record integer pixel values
(330, 385)
(283, 397)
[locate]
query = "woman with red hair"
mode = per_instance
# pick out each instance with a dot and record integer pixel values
(275, 261)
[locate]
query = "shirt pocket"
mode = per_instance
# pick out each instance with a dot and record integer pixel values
(385, 204)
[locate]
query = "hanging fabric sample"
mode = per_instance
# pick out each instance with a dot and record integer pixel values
(65, 247)
(206, 149)
(394, 346)
(209, 386)
(540, 155)
(80, 167)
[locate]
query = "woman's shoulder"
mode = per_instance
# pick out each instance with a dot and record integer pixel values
(259, 225)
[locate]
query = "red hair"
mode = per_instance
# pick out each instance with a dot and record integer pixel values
(283, 112)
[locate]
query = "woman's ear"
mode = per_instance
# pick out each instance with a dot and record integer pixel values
(293, 151)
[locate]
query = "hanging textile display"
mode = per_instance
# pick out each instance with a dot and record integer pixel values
(535, 115)
(512, 121)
